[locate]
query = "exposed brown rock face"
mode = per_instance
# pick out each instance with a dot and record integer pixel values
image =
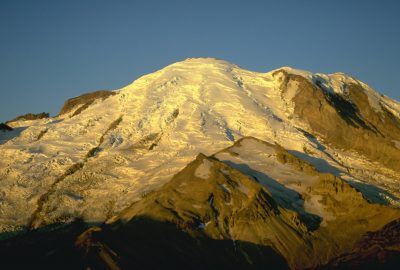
(384, 122)
(347, 122)
(84, 101)
(30, 116)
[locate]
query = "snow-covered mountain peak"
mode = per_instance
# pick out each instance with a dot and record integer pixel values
(203, 61)
(108, 148)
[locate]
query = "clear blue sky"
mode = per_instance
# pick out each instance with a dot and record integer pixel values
(53, 50)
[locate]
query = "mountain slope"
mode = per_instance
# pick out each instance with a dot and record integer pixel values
(106, 151)
(241, 208)
(210, 199)
(203, 164)
(363, 125)
(376, 250)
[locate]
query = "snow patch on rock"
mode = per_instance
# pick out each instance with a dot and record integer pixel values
(203, 170)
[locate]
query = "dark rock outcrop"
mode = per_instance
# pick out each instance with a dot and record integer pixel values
(30, 116)
(82, 102)
(5, 127)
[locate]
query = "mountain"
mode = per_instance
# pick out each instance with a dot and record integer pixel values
(212, 164)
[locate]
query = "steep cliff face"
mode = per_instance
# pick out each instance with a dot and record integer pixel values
(346, 119)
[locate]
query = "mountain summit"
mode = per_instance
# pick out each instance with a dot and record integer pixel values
(288, 164)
